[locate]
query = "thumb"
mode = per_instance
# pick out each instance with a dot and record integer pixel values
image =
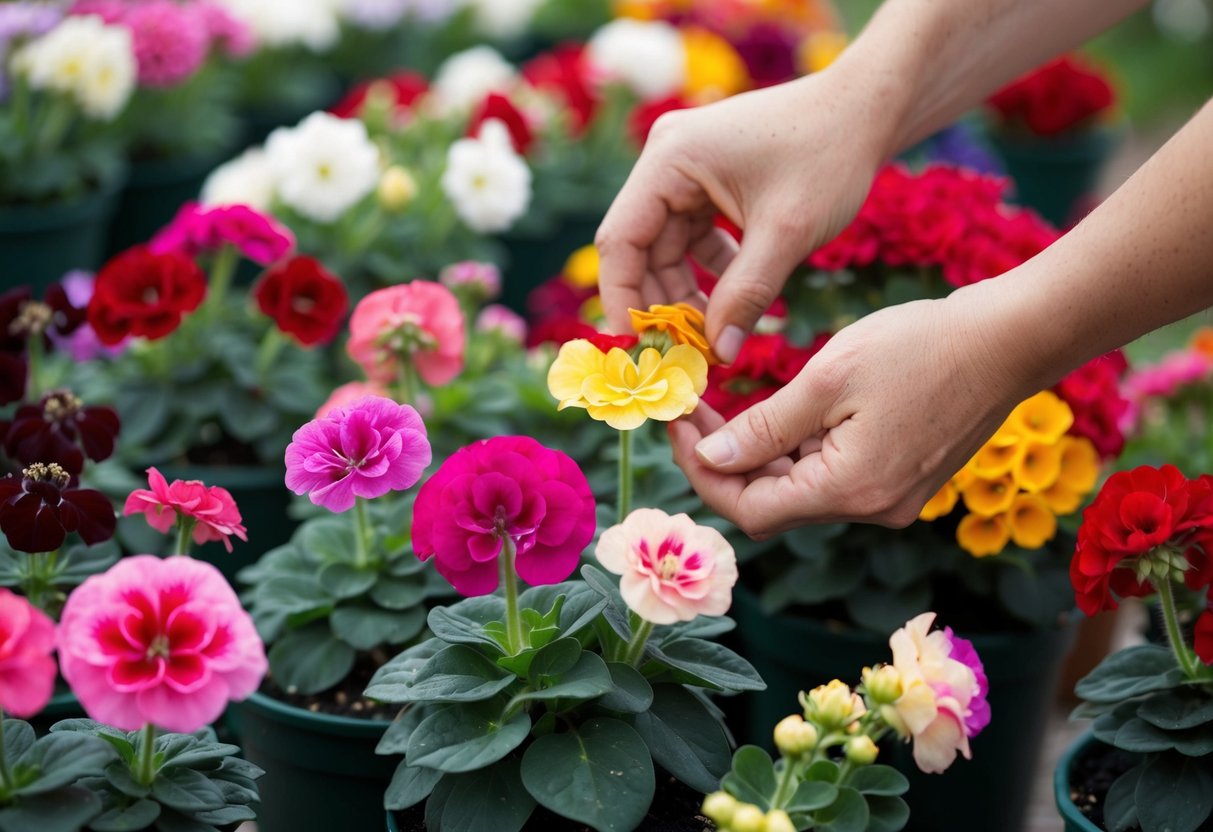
(765, 432)
(750, 284)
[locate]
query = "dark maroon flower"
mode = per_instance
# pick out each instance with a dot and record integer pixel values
(40, 508)
(12, 378)
(22, 316)
(769, 52)
(60, 429)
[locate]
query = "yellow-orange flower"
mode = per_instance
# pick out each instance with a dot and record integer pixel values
(941, 504)
(681, 321)
(1031, 522)
(996, 457)
(714, 69)
(1037, 466)
(990, 497)
(1079, 464)
(983, 536)
(625, 393)
(1042, 418)
(1202, 341)
(581, 269)
(1061, 499)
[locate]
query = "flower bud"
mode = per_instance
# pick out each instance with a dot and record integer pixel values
(778, 821)
(794, 736)
(883, 684)
(832, 706)
(861, 751)
(397, 187)
(719, 808)
(748, 818)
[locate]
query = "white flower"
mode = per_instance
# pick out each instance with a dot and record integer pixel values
(84, 58)
(503, 19)
(315, 24)
(648, 57)
(245, 180)
(467, 77)
(486, 180)
(322, 167)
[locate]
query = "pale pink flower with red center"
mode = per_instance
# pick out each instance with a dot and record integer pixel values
(201, 229)
(212, 509)
(160, 641)
(27, 671)
(365, 449)
(420, 322)
(672, 570)
(349, 393)
(943, 703)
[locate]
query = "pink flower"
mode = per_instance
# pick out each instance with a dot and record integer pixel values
(27, 671)
(506, 487)
(170, 43)
(225, 29)
(944, 700)
(199, 229)
(505, 321)
(160, 641)
(484, 279)
(211, 508)
(364, 449)
(673, 570)
(420, 320)
(347, 394)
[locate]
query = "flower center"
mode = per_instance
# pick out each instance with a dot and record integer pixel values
(33, 319)
(407, 337)
(151, 296)
(499, 523)
(324, 171)
(160, 648)
(60, 406)
(44, 472)
(667, 567)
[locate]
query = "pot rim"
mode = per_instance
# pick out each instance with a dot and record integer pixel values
(1061, 785)
(288, 714)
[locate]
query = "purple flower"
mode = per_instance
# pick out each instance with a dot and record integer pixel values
(22, 20)
(367, 449)
(958, 145)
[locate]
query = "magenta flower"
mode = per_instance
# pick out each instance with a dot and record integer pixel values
(160, 641)
(199, 229)
(226, 31)
(211, 509)
(508, 486)
(421, 320)
(27, 671)
(170, 41)
(366, 449)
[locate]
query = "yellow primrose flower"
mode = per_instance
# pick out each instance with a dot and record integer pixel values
(990, 497)
(1037, 466)
(714, 70)
(1042, 418)
(982, 536)
(581, 269)
(941, 504)
(625, 393)
(681, 321)
(1031, 522)
(1079, 464)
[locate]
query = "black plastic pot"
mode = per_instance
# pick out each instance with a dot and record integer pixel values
(1054, 175)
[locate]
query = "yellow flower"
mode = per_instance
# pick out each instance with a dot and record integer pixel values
(581, 269)
(624, 393)
(682, 322)
(1079, 464)
(997, 456)
(1202, 341)
(1061, 499)
(714, 69)
(942, 503)
(1042, 418)
(1031, 522)
(963, 479)
(1037, 466)
(990, 497)
(982, 536)
(821, 49)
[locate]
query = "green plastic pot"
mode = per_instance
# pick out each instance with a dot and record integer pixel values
(533, 259)
(43, 242)
(1055, 175)
(1075, 821)
(794, 654)
(321, 771)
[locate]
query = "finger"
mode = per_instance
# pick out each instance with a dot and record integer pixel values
(715, 250)
(750, 284)
(718, 491)
(768, 430)
(668, 261)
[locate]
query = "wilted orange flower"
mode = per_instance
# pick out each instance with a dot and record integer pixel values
(681, 321)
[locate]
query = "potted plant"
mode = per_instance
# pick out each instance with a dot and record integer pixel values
(1144, 764)
(62, 167)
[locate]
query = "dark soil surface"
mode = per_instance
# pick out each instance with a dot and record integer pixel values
(675, 809)
(344, 700)
(1093, 774)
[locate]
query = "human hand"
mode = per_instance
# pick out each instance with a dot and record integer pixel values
(790, 164)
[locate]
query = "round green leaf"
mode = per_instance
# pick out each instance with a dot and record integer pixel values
(457, 673)
(1130, 672)
(466, 737)
(685, 738)
(752, 778)
(137, 816)
(398, 593)
(365, 627)
(187, 790)
(585, 680)
(410, 785)
(879, 780)
(886, 813)
(343, 580)
(1177, 709)
(632, 693)
(848, 813)
(493, 798)
(67, 808)
(1120, 805)
(310, 660)
(1174, 794)
(812, 795)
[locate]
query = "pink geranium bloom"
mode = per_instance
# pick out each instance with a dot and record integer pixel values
(506, 487)
(349, 393)
(672, 570)
(211, 508)
(169, 41)
(482, 279)
(421, 320)
(226, 30)
(504, 321)
(944, 700)
(160, 641)
(199, 229)
(365, 449)
(27, 671)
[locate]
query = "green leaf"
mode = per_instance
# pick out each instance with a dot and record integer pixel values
(65, 809)
(826, 771)
(310, 660)
(186, 790)
(1130, 672)
(1177, 709)
(227, 816)
(886, 813)
(173, 821)
(848, 813)
(1120, 804)
(1140, 736)
(365, 627)
(632, 693)
(457, 673)
(186, 750)
(560, 656)
(1174, 794)
(600, 774)
(18, 737)
(885, 610)
(707, 664)
(397, 593)
(897, 563)
(685, 738)
(344, 580)
(1106, 725)
(587, 679)
(878, 780)
(395, 739)
(752, 778)
(410, 785)
(137, 816)
(118, 773)
(466, 737)
(463, 623)
(62, 759)
(493, 798)
(810, 796)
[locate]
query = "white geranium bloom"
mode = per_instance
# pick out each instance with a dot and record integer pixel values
(245, 180)
(648, 57)
(84, 58)
(322, 167)
(315, 24)
(503, 19)
(487, 181)
(467, 77)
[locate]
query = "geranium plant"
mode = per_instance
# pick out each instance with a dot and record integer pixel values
(1064, 96)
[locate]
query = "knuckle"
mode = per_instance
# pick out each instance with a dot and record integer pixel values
(666, 127)
(765, 427)
(751, 296)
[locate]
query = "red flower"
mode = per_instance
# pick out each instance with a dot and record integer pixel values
(556, 298)
(140, 293)
(1059, 96)
(401, 90)
(304, 299)
(40, 508)
(1093, 393)
(495, 105)
(645, 115)
(60, 429)
(765, 363)
(607, 342)
(1203, 637)
(561, 72)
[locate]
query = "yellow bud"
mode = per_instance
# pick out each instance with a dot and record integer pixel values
(861, 751)
(719, 807)
(794, 736)
(778, 821)
(397, 187)
(832, 706)
(748, 818)
(883, 684)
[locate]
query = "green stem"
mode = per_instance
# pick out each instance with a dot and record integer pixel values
(406, 388)
(787, 785)
(146, 772)
(271, 345)
(640, 637)
(6, 776)
(509, 577)
(625, 474)
(35, 351)
(222, 271)
(1167, 599)
(362, 534)
(185, 528)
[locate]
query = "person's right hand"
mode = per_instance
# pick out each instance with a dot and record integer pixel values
(790, 165)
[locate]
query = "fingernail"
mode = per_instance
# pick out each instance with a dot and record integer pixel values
(717, 449)
(728, 345)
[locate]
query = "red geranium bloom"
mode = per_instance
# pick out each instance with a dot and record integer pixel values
(765, 363)
(60, 429)
(562, 73)
(558, 331)
(39, 509)
(1094, 395)
(304, 299)
(495, 105)
(1203, 637)
(404, 88)
(645, 115)
(141, 293)
(1056, 97)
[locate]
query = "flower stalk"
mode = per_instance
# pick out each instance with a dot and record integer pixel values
(625, 474)
(509, 578)
(145, 773)
(6, 776)
(185, 528)
(1166, 599)
(222, 272)
(640, 637)
(362, 534)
